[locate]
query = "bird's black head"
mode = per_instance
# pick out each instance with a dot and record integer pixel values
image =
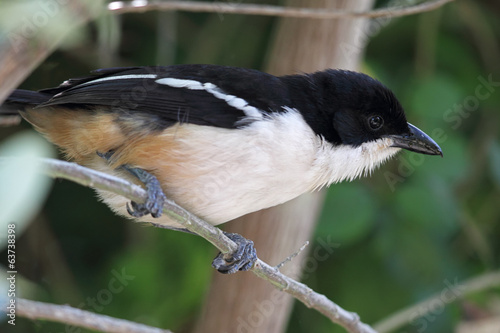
(356, 109)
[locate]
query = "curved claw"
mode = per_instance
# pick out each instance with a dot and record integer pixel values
(241, 260)
(137, 210)
(156, 197)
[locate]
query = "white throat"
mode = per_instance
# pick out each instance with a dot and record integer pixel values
(338, 163)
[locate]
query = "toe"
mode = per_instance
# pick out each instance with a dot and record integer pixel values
(241, 260)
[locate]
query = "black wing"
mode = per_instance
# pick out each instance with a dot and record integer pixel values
(135, 89)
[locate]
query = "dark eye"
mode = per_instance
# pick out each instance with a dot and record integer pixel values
(375, 122)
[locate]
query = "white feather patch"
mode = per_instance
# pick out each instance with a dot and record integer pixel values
(231, 100)
(335, 164)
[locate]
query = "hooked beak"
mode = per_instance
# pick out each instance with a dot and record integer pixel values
(416, 141)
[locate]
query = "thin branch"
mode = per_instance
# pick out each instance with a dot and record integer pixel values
(121, 7)
(459, 290)
(91, 178)
(348, 320)
(69, 315)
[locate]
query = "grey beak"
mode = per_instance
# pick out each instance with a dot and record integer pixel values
(416, 141)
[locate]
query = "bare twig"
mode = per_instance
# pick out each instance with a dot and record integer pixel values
(88, 177)
(120, 7)
(69, 315)
(293, 255)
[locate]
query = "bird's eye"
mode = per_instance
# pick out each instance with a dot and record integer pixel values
(375, 122)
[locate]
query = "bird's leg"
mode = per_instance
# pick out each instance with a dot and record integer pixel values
(241, 260)
(154, 203)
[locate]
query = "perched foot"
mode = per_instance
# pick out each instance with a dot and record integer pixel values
(156, 198)
(241, 260)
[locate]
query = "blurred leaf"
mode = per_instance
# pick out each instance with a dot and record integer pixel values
(451, 168)
(171, 271)
(429, 206)
(23, 187)
(430, 97)
(357, 279)
(348, 213)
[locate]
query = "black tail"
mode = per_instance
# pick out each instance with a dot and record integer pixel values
(19, 99)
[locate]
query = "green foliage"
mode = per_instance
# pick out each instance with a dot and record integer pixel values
(347, 214)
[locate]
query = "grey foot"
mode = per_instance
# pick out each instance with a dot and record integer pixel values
(242, 260)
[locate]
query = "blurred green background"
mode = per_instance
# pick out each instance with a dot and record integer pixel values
(416, 226)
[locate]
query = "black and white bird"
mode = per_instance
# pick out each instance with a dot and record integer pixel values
(221, 141)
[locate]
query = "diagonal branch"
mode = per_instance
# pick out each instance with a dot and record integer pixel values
(73, 316)
(120, 7)
(91, 178)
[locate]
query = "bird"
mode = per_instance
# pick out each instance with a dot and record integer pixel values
(221, 141)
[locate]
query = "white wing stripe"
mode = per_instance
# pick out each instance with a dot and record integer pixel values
(211, 88)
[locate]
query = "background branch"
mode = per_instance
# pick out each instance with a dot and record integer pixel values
(77, 317)
(91, 178)
(404, 316)
(120, 7)
(22, 51)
